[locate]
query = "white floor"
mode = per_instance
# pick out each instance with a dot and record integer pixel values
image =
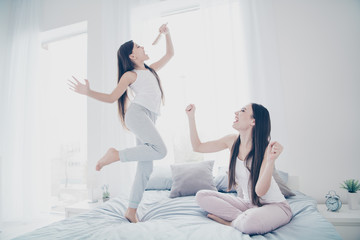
(10, 230)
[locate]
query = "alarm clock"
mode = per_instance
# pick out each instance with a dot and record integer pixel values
(332, 202)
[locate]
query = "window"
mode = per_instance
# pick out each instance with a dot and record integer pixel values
(64, 114)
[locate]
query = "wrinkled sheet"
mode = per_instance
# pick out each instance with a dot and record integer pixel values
(179, 218)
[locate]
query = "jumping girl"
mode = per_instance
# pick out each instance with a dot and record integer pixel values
(260, 207)
(140, 116)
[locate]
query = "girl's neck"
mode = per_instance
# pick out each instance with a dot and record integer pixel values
(245, 145)
(140, 66)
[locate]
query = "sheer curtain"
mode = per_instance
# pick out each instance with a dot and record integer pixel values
(114, 30)
(24, 175)
(262, 59)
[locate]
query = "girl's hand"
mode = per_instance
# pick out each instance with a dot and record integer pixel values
(164, 29)
(273, 151)
(190, 110)
(78, 87)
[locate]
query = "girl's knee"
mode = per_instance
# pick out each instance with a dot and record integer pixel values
(200, 195)
(249, 224)
(162, 151)
(159, 149)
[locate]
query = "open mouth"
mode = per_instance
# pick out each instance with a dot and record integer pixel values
(236, 119)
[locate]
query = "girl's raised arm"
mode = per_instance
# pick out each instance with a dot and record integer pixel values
(169, 49)
(272, 152)
(127, 79)
(210, 146)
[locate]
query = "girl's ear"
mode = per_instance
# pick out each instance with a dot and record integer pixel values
(132, 57)
(252, 123)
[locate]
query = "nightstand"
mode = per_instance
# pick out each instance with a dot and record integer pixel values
(346, 221)
(80, 207)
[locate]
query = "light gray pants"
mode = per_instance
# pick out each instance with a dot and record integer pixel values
(149, 147)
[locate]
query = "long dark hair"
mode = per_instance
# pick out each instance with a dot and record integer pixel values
(260, 140)
(124, 65)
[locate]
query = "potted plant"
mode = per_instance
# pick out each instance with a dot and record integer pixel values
(352, 186)
(106, 194)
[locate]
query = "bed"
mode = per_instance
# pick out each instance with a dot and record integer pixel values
(163, 217)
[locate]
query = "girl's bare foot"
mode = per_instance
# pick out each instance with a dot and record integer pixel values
(131, 215)
(112, 155)
(219, 220)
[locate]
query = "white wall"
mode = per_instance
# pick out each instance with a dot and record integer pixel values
(319, 55)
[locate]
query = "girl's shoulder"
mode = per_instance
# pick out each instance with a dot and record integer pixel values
(230, 139)
(130, 73)
(130, 76)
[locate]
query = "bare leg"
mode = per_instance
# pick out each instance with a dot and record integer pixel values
(131, 215)
(112, 155)
(219, 220)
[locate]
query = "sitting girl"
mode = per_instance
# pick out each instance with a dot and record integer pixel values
(260, 207)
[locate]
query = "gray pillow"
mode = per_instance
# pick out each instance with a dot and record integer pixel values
(189, 178)
(285, 190)
(283, 175)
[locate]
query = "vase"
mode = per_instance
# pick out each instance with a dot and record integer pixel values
(353, 201)
(105, 199)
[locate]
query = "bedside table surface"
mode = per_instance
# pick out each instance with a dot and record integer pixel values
(83, 205)
(342, 216)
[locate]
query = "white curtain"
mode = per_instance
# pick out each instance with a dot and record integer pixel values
(262, 58)
(25, 177)
(24, 183)
(115, 30)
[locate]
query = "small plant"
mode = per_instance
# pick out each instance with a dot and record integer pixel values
(351, 185)
(106, 193)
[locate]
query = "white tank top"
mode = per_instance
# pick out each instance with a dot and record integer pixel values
(147, 90)
(242, 177)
